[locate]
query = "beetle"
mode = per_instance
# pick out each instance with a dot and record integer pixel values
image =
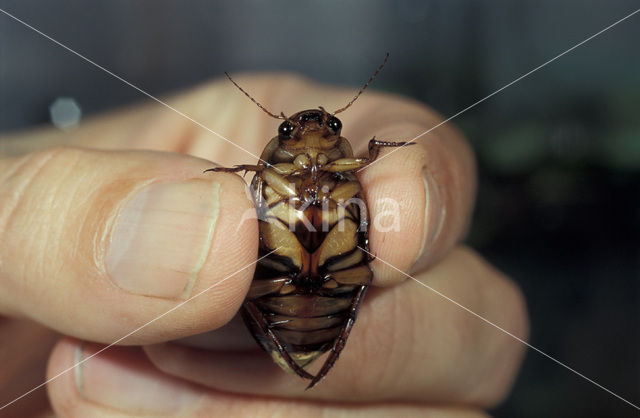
(313, 272)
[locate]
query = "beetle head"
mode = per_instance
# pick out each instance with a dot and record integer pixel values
(308, 124)
(314, 127)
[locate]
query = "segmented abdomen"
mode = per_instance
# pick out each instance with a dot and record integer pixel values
(306, 289)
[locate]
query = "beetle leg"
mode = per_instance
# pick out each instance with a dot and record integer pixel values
(279, 183)
(345, 164)
(236, 168)
(342, 338)
(266, 286)
(350, 164)
(265, 331)
(360, 275)
(345, 191)
(286, 169)
(375, 145)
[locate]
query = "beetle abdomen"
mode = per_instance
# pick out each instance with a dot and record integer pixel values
(306, 292)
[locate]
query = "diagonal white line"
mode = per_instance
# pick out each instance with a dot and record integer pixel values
(504, 87)
(502, 329)
(149, 95)
(386, 155)
(135, 330)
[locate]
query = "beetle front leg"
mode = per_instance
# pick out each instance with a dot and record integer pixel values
(345, 164)
(236, 168)
(350, 164)
(375, 145)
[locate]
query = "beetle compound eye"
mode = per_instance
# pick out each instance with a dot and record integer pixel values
(334, 124)
(286, 129)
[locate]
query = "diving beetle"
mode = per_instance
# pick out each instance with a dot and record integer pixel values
(313, 270)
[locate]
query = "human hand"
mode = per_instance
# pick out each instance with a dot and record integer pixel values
(80, 257)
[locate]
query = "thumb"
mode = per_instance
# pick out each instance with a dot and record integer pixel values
(97, 243)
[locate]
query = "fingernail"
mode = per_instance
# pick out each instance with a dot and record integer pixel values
(122, 379)
(162, 238)
(434, 212)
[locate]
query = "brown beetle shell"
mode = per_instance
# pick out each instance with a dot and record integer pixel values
(313, 270)
(308, 291)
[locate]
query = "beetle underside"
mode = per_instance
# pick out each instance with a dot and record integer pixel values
(305, 296)
(313, 224)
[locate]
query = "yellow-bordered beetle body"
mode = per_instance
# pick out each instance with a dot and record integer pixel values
(313, 224)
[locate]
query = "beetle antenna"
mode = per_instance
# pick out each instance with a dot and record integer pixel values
(363, 87)
(282, 116)
(252, 99)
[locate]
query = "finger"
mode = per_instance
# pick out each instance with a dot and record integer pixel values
(408, 344)
(121, 382)
(96, 244)
(420, 196)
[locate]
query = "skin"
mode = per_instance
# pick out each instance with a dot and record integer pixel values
(411, 352)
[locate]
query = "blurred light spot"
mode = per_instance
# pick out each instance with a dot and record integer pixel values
(412, 10)
(65, 113)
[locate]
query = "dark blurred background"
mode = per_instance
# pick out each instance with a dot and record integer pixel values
(559, 152)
